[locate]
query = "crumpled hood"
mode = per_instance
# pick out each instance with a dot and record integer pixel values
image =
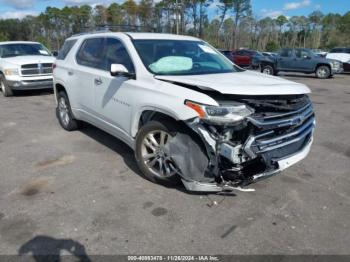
(241, 83)
(29, 59)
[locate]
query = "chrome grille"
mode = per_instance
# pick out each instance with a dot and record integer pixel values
(277, 130)
(36, 69)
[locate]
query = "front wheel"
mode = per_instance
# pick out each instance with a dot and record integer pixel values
(155, 164)
(267, 69)
(323, 72)
(6, 90)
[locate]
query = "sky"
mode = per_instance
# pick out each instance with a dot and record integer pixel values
(261, 8)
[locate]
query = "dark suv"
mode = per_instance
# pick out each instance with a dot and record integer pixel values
(300, 60)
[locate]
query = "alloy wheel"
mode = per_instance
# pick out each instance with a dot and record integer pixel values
(154, 156)
(267, 71)
(2, 86)
(63, 111)
(322, 72)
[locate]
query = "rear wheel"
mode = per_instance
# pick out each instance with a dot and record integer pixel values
(64, 113)
(267, 69)
(323, 72)
(152, 159)
(6, 90)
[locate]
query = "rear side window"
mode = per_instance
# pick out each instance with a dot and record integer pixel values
(67, 46)
(91, 53)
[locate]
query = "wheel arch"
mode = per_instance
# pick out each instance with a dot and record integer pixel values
(149, 114)
(264, 63)
(166, 117)
(323, 64)
(58, 88)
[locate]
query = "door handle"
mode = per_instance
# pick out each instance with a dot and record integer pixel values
(70, 73)
(98, 81)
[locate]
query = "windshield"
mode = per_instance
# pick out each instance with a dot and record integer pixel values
(11, 50)
(180, 57)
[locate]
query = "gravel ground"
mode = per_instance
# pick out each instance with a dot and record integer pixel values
(83, 190)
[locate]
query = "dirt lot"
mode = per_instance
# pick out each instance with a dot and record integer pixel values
(83, 190)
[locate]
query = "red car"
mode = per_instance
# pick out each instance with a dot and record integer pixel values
(241, 57)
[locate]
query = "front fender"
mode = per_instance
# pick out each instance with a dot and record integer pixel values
(186, 113)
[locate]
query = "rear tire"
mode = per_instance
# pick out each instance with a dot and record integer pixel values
(6, 90)
(153, 162)
(64, 113)
(323, 72)
(268, 70)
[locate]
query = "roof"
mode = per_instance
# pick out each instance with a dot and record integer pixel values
(17, 42)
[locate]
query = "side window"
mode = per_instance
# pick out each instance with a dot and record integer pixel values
(286, 52)
(116, 53)
(300, 53)
(91, 53)
(67, 46)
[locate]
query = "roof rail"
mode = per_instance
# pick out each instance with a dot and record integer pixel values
(105, 28)
(123, 28)
(91, 32)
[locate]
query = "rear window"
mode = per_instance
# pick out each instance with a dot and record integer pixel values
(67, 46)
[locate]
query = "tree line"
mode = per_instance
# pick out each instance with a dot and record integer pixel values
(226, 24)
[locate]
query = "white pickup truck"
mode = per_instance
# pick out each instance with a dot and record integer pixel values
(24, 65)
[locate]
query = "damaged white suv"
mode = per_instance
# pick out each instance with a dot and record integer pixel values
(189, 114)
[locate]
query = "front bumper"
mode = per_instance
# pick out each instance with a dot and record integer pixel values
(30, 84)
(338, 70)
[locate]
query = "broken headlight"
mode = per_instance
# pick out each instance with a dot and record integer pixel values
(221, 114)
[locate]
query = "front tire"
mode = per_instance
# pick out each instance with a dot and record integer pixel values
(64, 113)
(6, 90)
(323, 72)
(150, 155)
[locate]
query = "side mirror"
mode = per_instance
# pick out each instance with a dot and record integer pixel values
(120, 70)
(55, 53)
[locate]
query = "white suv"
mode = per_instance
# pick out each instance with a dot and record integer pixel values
(189, 114)
(23, 66)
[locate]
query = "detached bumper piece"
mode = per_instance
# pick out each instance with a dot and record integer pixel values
(278, 135)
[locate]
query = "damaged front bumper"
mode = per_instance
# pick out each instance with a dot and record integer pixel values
(261, 146)
(281, 164)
